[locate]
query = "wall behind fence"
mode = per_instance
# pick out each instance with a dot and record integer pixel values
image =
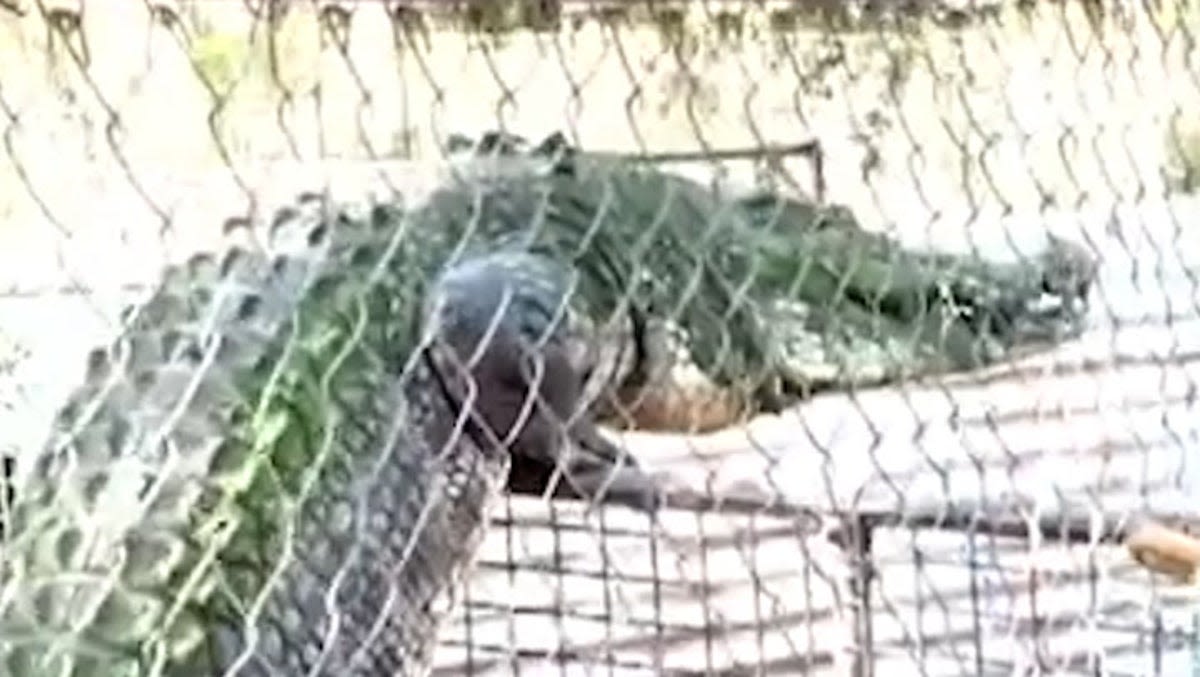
(126, 128)
(1018, 109)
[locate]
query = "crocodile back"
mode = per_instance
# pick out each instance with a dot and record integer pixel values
(256, 477)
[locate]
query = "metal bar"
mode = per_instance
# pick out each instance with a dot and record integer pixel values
(811, 147)
(862, 574)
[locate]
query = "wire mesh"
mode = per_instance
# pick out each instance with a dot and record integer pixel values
(807, 338)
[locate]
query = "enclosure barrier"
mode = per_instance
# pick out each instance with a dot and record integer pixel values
(869, 333)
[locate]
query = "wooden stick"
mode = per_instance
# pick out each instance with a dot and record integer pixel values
(1155, 538)
(1166, 551)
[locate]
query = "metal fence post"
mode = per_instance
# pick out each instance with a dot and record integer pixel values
(856, 540)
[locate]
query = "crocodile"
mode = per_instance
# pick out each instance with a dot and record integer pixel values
(286, 461)
(721, 307)
(277, 468)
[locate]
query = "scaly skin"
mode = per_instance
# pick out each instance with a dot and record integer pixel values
(261, 476)
(286, 464)
(268, 473)
(771, 298)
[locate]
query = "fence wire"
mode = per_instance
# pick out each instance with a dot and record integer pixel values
(584, 337)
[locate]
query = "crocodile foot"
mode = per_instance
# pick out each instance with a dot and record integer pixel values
(685, 405)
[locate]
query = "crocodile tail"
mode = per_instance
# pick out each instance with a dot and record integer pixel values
(114, 490)
(261, 441)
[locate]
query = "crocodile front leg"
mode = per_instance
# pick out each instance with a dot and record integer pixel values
(505, 355)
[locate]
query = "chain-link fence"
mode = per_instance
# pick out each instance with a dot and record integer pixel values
(808, 337)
